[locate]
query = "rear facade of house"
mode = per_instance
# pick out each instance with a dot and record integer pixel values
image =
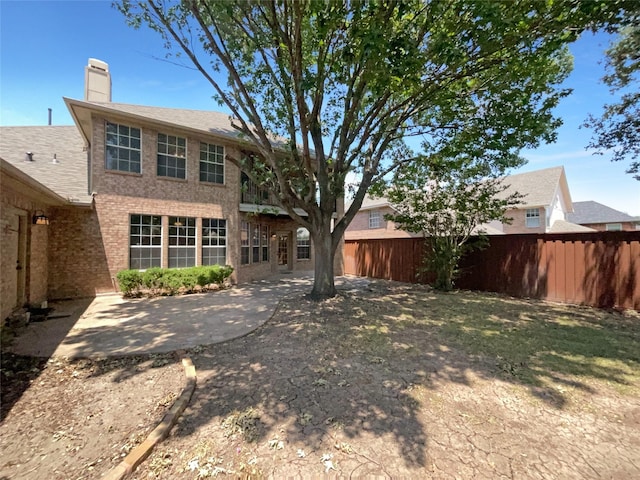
(157, 189)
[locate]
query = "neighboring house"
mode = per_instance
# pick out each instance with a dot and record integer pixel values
(370, 223)
(545, 203)
(133, 187)
(600, 217)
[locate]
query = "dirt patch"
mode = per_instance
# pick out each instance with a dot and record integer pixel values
(78, 419)
(397, 381)
(386, 380)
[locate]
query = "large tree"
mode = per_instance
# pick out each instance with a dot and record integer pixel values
(323, 88)
(618, 128)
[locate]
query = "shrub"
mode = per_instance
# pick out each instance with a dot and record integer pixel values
(151, 278)
(171, 280)
(129, 281)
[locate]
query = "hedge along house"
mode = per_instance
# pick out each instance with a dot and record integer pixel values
(157, 190)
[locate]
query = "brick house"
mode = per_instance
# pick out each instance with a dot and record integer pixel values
(138, 187)
(600, 217)
(545, 204)
(369, 222)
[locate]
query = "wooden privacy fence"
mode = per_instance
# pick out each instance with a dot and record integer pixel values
(601, 269)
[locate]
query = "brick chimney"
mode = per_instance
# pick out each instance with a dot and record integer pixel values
(97, 81)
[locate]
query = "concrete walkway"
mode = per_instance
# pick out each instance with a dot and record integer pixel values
(111, 326)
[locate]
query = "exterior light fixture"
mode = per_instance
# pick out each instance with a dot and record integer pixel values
(39, 218)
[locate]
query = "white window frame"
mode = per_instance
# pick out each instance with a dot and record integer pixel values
(303, 244)
(211, 157)
(214, 241)
(532, 218)
(150, 223)
(245, 246)
(170, 148)
(375, 220)
(183, 231)
(613, 227)
(125, 144)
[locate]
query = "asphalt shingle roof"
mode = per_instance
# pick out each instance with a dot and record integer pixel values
(538, 187)
(69, 177)
(562, 226)
(594, 212)
(207, 121)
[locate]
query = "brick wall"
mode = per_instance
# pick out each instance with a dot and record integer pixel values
(626, 226)
(89, 246)
(359, 227)
(18, 201)
(518, 222)
(77, 255)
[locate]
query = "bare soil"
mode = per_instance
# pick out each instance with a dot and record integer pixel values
(76, 420)
(386, 381)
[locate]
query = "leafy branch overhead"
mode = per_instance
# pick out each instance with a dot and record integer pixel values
(319, 90)
(618, 128)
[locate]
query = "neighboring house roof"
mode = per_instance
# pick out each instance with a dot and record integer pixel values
(591, 212)
(370, 203)
(538, 187)
(487, 230)
(562, 226)
(68, 178)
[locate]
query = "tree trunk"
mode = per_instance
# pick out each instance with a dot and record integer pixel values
(323, 281)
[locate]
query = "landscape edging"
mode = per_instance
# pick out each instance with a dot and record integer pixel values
(142, 451)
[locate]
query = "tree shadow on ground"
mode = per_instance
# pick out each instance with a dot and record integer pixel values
(352, 363)
(18, 371)
(336, 369)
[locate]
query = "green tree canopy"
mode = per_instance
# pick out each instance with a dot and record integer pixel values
(447, 200)
(323, 88)
(618, 128)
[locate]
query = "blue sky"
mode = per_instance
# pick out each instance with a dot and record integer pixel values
(45, 46)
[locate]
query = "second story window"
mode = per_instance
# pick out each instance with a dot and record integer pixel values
(532, 219)
(122, 148)
(172, 156)
(374, 219)
(211, 163)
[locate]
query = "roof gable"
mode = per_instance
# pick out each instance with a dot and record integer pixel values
(539, 187)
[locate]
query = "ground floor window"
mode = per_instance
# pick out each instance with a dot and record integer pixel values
(244, 243)
(145, 241)
(304, 244)
(182, 242)
(254, 243)
(214, 241)
(265, 243)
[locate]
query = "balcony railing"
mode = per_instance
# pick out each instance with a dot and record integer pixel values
(254, 194)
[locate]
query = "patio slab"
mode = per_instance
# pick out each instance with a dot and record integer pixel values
(110, 325)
